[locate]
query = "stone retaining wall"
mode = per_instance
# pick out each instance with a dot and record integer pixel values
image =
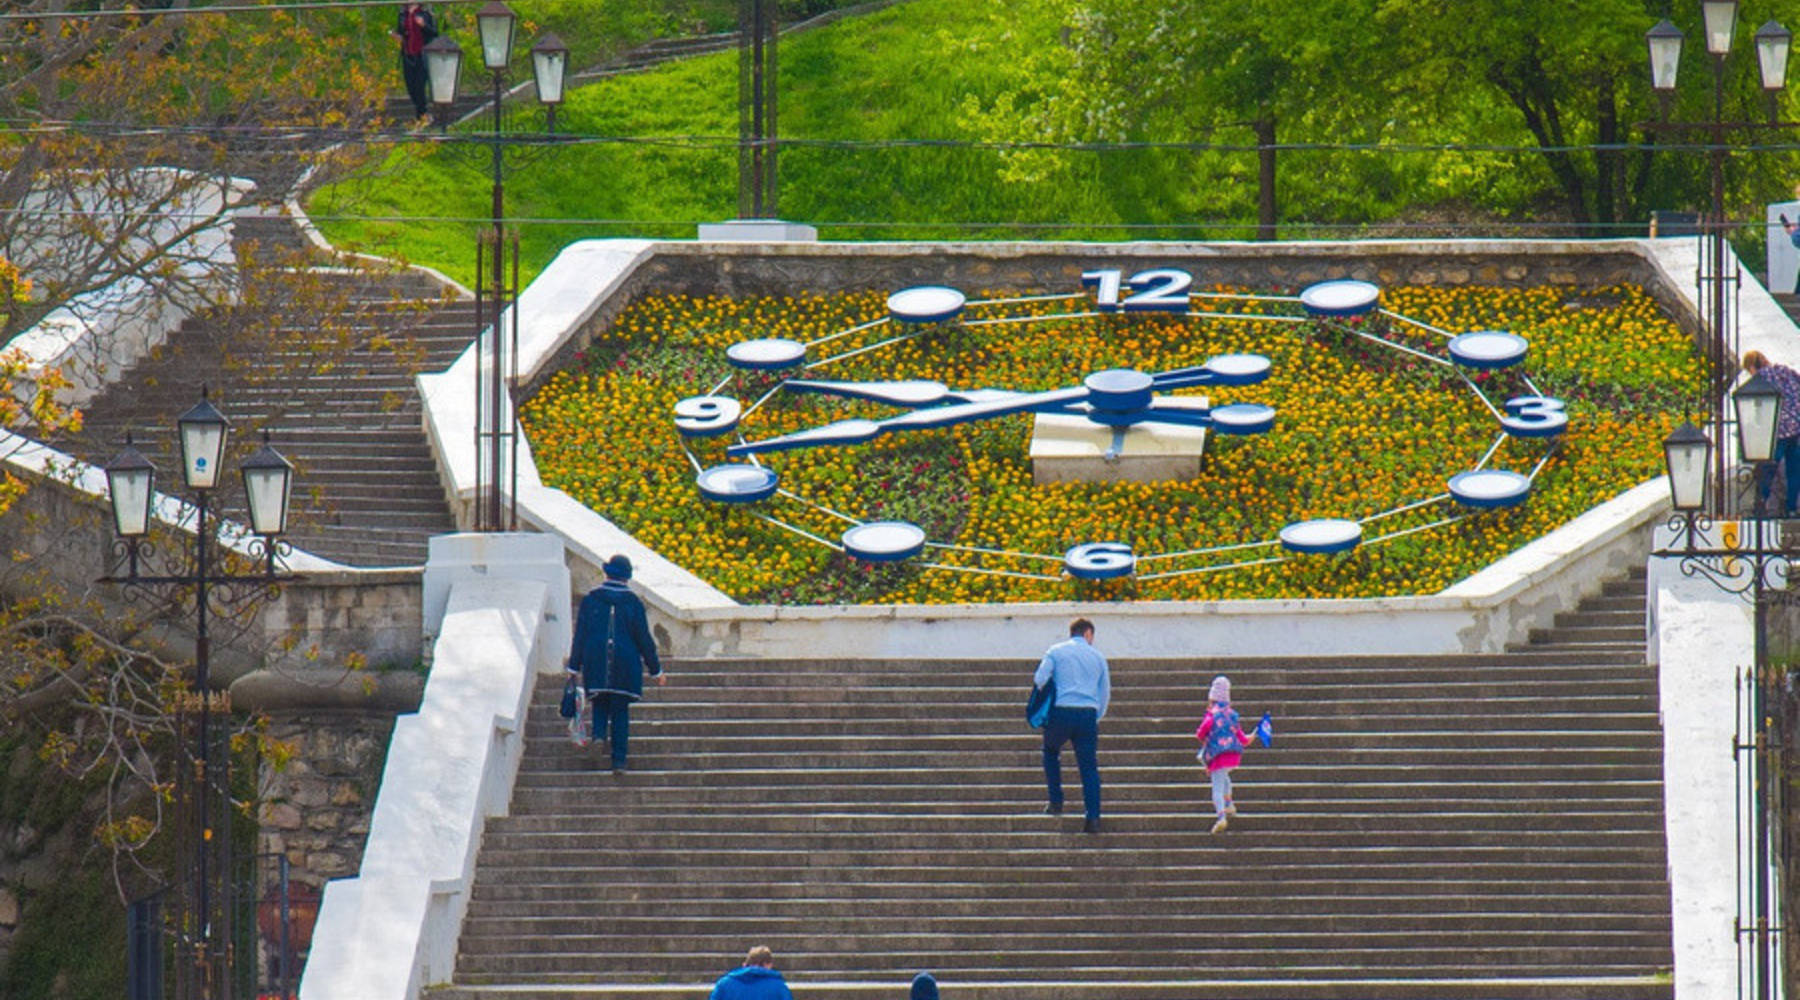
(331, 617)
(315, 810)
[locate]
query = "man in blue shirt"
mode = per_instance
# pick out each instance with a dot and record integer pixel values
(1083, 687)
(756, 979)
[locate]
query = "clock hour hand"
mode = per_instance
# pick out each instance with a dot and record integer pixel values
(858, 431)
(908, 394)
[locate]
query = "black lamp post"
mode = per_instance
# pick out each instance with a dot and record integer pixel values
(204, 940)
(495, 24)
(1752, 562)
(1717, 307)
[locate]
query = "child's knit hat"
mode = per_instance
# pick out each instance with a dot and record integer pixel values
(1220, 690)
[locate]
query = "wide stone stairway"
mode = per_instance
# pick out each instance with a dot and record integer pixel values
(1457, 827)
(326, 366)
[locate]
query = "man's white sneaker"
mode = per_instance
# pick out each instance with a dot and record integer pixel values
(1219, 827)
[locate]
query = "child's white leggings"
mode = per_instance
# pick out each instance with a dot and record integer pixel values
(1221, 782)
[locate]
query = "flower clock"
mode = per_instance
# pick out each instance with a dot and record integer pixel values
(747, 437)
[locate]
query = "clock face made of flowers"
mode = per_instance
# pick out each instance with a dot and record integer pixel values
(1116, 398)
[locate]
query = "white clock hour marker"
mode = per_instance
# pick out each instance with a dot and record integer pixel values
(1488, 349)
(926, 304)
(737, 483)
(1340, 298)
(1489, 488)
(766, 354)
(884, 541)
(1321, 536)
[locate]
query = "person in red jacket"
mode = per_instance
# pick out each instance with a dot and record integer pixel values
(415, 28)
(1222, 743)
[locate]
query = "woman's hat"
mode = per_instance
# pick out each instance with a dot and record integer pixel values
(1220, 690)
(617, 568)
(924, 987)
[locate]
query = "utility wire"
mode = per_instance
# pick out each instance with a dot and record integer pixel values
(21, 126)
(140, 12)
(1293, 225)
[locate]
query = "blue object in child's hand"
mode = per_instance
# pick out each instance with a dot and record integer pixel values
(1265, 730)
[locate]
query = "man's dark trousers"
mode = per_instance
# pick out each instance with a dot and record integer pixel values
(412, 70)
(616, 709)
(1082, 727)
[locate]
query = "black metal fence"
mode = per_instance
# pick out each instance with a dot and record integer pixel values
(272, 922)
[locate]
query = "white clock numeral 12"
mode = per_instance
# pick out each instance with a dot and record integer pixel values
(1106, 287)
(1163, 289)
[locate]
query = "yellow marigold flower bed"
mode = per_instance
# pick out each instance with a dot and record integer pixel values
(1362, 430)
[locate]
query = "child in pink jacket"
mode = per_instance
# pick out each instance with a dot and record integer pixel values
(1222, 743)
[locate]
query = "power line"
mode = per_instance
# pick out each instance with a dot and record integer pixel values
(140, 12)
(19, 126)
(1192, 224)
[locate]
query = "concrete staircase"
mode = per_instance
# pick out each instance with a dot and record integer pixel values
(1455, 827)
(326, 366)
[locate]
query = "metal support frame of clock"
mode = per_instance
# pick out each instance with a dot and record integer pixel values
(1117, 398)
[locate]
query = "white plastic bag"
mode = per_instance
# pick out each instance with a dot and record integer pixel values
(581, 726)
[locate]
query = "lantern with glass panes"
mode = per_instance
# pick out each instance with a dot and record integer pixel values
(1718, 269)
(1750, 559)
(496, 364)
(202, 577)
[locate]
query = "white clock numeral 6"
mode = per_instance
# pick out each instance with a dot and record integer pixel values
(1100, 561)
(707, 416)
(1162, 289)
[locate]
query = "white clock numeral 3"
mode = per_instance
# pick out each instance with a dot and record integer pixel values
(1162, 289)
(1535, 417)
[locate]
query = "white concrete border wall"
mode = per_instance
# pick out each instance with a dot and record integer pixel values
(1484, 613)
(1702, 641)
(392, 929)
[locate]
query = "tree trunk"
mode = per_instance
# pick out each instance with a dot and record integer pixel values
(1609, 164)
(1265, 177)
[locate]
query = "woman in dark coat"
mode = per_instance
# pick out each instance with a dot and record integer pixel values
(613, 648)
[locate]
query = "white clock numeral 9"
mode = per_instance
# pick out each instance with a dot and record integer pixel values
(707, 416)
(1162, 289)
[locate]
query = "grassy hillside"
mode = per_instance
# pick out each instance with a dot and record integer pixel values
(661, 156)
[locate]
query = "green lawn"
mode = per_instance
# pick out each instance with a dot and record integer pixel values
(903, 72)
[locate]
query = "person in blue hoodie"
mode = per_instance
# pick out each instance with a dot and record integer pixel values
(756, 979)
(613, 648)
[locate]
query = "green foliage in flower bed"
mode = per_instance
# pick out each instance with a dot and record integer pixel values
(1362, 430)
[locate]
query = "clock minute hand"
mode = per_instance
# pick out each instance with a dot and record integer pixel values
(1226, 369)
(858, 431)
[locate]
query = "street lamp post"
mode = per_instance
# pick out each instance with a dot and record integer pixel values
(495, 25)
(204, 941)
(1750, 558)
(1754, 562)
(1717, 285)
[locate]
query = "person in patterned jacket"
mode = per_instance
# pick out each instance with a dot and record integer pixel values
(1787, 433)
